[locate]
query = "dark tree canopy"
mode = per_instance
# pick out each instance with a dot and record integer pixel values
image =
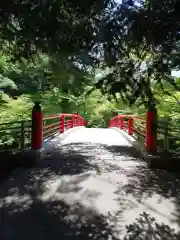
(49, 26)
(141, 45)
(61, 30)
(138, 41)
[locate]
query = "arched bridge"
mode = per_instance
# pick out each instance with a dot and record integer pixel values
(89, 183)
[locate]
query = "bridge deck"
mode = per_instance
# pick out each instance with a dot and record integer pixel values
(89, 184)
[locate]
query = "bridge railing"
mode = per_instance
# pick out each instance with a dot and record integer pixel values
(15, 135)
(140, 127)
(168, 136)
(133, 125)
(19, 135)
(59, 123)
(158, 135)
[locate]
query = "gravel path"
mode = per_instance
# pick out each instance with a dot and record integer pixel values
(90, 184)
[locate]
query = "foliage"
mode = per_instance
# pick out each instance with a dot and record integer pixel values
(56, 51)
(49, 26)
(137, 41)
(140, 46)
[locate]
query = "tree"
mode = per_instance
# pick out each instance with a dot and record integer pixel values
(140, 45)
(138, 41)
(42, 74)
(49, 26)
(61, 32)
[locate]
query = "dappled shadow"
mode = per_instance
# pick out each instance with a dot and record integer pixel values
(158, 185)
(129, 151)
(52, 220)
(125, 150)
(72, 159)
(148, 181)
(28, 209)
(57, 220)
(60, 161)
(30, 206)
(79, 157)
(35, 219)
(146, 227)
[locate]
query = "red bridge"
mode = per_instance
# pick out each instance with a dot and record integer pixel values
(89, 183)
(32, 133)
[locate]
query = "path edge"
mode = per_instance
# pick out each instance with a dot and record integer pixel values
(148, 158)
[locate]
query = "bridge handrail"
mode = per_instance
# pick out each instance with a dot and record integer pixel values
(15, 134)
(167, 133)
(62, 123)
(61, 114)
(13, 122)
(136, 126)
(20, 131)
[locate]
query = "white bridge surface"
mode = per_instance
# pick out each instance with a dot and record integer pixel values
(90, 184)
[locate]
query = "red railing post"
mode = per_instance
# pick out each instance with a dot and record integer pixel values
(71, 122)
(37, 127)
(130, 126)
(81, 122)
(77, 119)
(114, 121)
(62, 124)
(151, 131)
(121, 122)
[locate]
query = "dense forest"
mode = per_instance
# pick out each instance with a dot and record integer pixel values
(97, 58)
(69, 91)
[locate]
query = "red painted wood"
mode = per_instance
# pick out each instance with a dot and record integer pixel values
(37, 128)
(121, 122)
(151, 132)
(62, 123)
(130, 126)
